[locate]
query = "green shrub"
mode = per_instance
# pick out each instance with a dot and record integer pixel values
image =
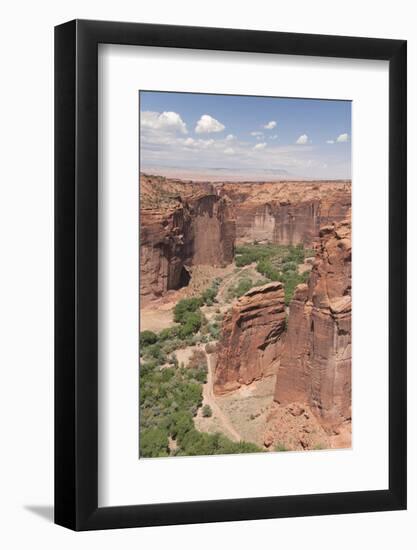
(185, 306)
(214, 330)
(155, 351)
(242, 260)
(190, 324)
(180, 424)
(289, 266)
(147, 337)
(168, 333)
(209, 295)
(241, 288)
(169, 346)
(206, 411)
(153, 443)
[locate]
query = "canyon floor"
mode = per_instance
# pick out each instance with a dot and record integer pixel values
(245, 316)
(248, 413)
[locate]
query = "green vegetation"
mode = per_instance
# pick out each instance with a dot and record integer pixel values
(240, 288)
(186, 306)
(190, 324)
(147, 337)
(280, 447)
(276, 263)
(154, 443)
(169, 399)
(206, 411)
(208, 297)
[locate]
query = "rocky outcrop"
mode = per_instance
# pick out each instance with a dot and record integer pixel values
(315, 366)
(294, 427)
(188, 223)
(181, 224)
(250, 341)
(286, 212)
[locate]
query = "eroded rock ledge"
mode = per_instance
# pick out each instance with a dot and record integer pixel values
(250, 341)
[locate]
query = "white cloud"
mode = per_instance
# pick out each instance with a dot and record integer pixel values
(342, 138)
(207, 124)
(275, 136)
(229, 151)
(167, 121)
(302, 140)
(230, 137)
(330, 141)
(271, 125)
(256, 134)
(198, 143)
(259, 146)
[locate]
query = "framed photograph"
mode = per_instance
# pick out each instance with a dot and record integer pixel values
(230, 244)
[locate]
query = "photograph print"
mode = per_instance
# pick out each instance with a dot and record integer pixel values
(245, 274)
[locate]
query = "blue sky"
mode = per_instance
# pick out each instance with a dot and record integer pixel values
(244, 136)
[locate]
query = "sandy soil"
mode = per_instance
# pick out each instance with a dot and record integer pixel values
(248, 408)
(241, 415)
(219, 421)
(158, 314)
(303, 268)
(184, 354)
(155, 318)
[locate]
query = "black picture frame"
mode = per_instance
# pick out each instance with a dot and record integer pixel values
(76, 272)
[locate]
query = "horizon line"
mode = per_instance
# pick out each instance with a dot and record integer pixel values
(205, 179)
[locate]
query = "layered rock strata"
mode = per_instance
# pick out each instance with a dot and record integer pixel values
(250, 341)
(315, 366)
(286, 212)
(181, 224)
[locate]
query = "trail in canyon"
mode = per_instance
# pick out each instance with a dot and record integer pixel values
(209, 399)
(229, 281)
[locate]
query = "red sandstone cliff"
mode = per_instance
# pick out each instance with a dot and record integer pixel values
(251, 338)
(315, 366)
(181, 224)
(286, 212)
(186, 223)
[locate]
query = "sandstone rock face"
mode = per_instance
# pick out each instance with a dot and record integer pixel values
(250, 341)
(181, 224)
(315, 366)
(294, 427)
(188, 223)
(286, 212)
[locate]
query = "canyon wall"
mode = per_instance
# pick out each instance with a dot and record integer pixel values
(181, 224)
(187, 223)
(286, 212)
(250, 341)
(315, 365)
